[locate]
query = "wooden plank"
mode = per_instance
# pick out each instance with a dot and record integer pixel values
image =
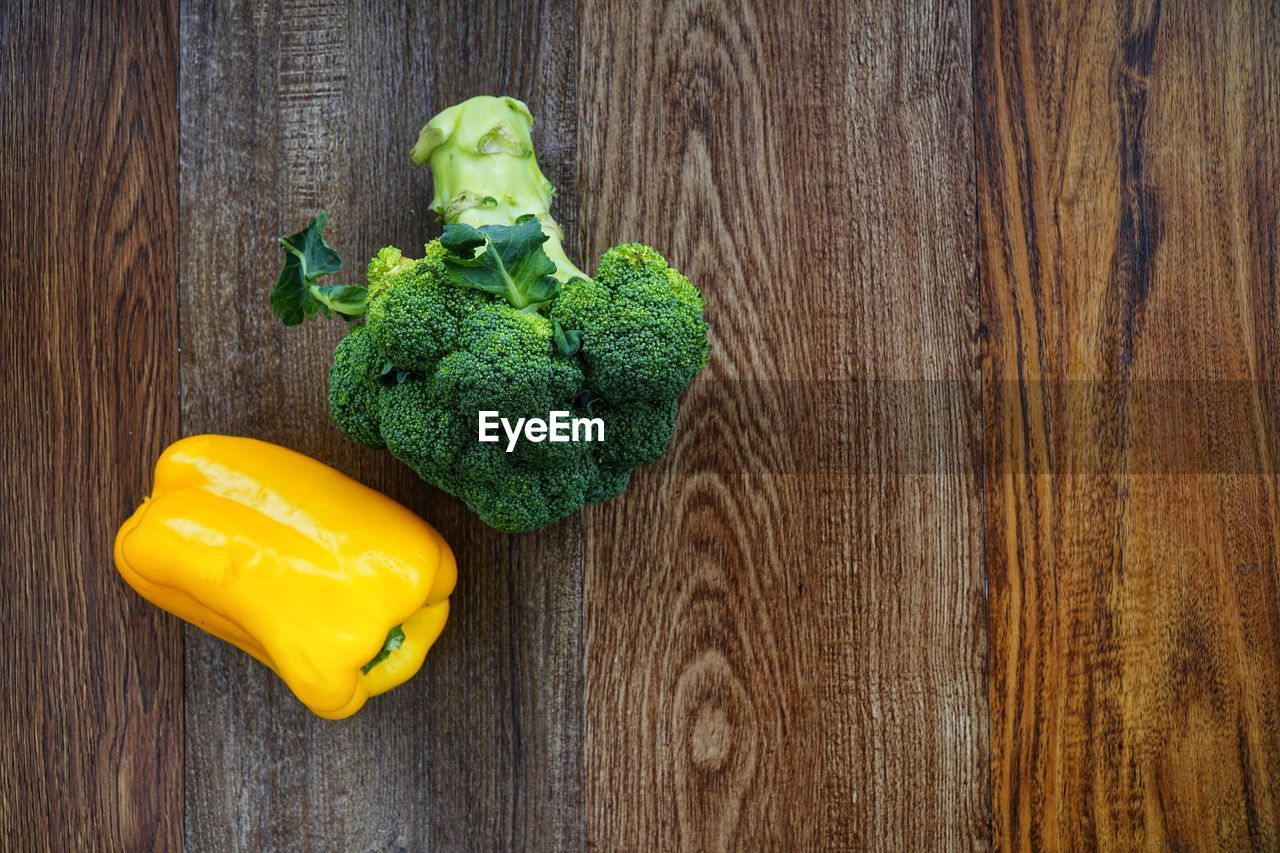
(287, 108)
(90, 714)
(1129, 171)
(785, 640)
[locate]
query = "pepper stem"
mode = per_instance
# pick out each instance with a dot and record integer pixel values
(395, 639)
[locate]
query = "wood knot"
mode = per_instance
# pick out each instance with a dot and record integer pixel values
(709, 737)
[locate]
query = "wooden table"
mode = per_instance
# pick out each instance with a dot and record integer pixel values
(969, 533)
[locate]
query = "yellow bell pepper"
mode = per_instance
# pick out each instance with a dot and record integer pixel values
(336, 587)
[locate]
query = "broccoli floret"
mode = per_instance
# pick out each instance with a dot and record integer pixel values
(526, 497)
(414, 313)
(495, 317)
(426, 429)
(637, 433)
(423, 429)
(505, 363)
(354, 388)
(643, 335)
(386, 263)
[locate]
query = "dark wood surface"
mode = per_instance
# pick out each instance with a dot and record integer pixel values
(278, 122)
(91, 724)
(968, 537)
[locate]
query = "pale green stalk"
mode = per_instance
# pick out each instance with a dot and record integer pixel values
(481, 154)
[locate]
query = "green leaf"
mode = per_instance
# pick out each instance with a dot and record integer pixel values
(390, 375)
(461, 239)
(395, 639)
(505, 260)
(345, 299)
(568, 342)
(307, 257)
(585, 400)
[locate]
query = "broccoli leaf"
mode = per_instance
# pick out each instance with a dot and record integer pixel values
(395, 639)
(307, 257)
(568, 342)
(391, 375)
(511, 262)
(345, 299)
(462, 240)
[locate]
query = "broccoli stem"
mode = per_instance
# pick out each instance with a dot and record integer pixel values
(481, 155)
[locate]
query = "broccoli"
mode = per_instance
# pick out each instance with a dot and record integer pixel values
(494, 316)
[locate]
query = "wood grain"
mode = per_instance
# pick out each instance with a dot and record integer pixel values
(969, 533)
(793, 658)
(288, 108)
(1129, 171)
(90, 710)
